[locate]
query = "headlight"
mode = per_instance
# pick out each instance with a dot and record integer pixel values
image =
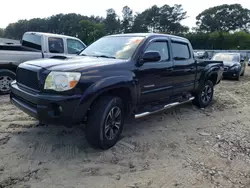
(236, 68)
(62, 81)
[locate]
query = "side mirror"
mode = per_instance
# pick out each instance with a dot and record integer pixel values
(151, 56)
(242, 59)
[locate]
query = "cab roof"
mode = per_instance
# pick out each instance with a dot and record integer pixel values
(148, 35)
(50, 34)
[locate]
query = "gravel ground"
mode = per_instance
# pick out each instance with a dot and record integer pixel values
(184, 147)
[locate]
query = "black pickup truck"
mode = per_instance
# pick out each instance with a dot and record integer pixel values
(116, 77)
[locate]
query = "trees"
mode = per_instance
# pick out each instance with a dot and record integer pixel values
(170, 18)
(224, 18)
(127, 21)
(220, 40)
(214, 25)
(165, 19)
(1, 32)
(90, 31)
(112, 24)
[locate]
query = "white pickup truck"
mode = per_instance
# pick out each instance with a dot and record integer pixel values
(34, 45)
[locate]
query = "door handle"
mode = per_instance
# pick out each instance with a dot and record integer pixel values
(170, 69)
(192, 69)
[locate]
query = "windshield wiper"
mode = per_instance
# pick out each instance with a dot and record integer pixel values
(105, 56)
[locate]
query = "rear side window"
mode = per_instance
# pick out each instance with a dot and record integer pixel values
(32, 41)
(56, 45)
(180, 51)
(74, 46)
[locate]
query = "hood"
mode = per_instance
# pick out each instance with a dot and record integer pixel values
(76, 63)
(230, 63)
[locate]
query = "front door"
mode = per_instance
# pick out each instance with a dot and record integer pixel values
(155, 77)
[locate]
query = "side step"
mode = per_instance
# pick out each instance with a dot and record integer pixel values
(164, 108)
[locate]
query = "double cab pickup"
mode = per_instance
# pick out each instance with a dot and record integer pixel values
(116, 77)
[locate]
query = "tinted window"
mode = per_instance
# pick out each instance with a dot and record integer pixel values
(180, 51)
(160, 47)
(56, 45)
(74, 46)
(32, 41)
(122, 47)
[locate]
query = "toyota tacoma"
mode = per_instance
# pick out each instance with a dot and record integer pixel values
(117, 77)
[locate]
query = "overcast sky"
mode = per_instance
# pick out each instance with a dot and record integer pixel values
(13, 10)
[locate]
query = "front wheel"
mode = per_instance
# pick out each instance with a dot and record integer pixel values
(205, 95)
(105, 122)
(6, 77)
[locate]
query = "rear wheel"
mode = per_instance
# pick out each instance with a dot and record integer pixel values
(205, 96)
(105, 122)
(6, 77)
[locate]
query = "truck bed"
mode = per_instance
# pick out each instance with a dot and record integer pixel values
(16, 47)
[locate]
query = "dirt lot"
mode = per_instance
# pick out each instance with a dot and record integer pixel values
(183, 147)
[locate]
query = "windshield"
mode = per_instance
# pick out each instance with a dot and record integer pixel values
(113, 47)
(226, 57)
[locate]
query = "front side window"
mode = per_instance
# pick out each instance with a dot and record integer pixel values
(122, 47)
(56, 45)
(160, 47)
(74, 46)
(180, 51)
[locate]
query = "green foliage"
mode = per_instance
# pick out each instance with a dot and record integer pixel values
(90, 31)
(112, 24)
(127, 22)
(164, 19)
(224, 18)
(1, 32)
(218, 27)
(220, 40)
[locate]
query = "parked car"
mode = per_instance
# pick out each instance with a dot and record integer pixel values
(34, 45)
(116, 77)
(201, 55)
(234, 64)
(249, 62)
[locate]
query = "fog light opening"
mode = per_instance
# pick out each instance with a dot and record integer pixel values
(56, 109)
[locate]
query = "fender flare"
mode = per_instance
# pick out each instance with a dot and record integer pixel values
(104, 85)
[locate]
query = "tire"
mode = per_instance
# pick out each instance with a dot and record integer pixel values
(199, 98)
(238, 77)
(6, 77)
(99, 120)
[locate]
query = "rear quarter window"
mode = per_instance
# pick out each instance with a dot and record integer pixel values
(32, 41)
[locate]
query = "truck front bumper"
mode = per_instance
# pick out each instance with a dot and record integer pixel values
(47, 108)
(231, 74)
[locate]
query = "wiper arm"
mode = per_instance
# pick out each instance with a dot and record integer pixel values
(105, 56)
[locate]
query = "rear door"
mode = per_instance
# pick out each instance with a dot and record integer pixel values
(184, 69)
(155, 77)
